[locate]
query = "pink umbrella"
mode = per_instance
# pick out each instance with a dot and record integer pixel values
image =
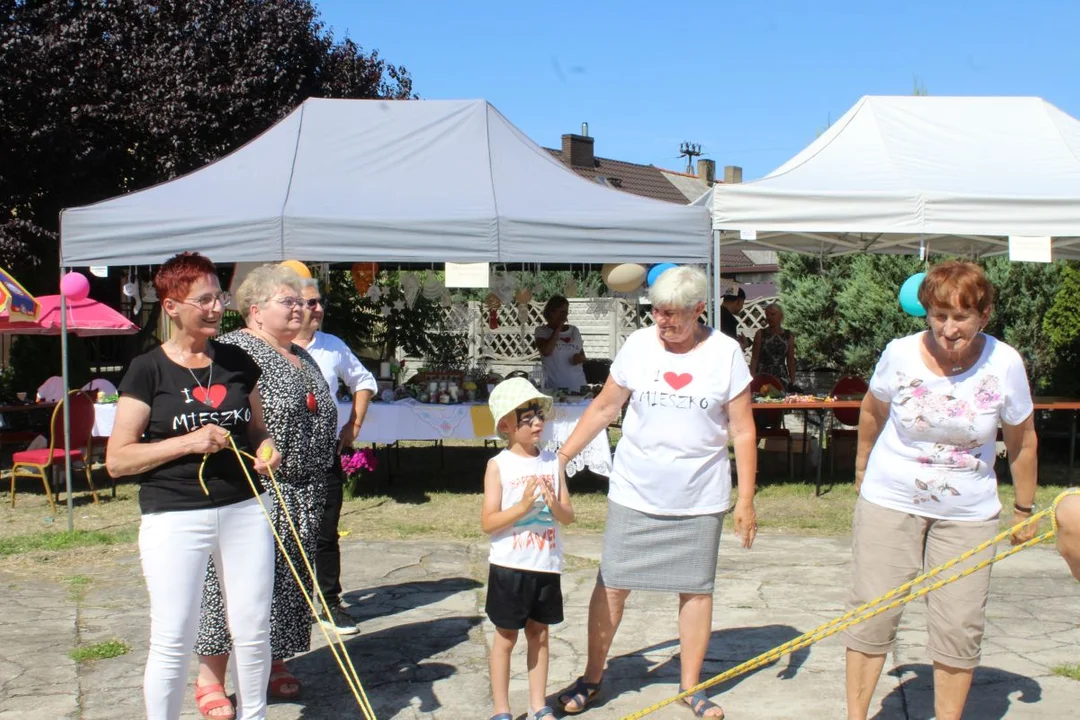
(85, 318)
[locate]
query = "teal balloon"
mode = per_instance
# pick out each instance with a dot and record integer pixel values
(657, 270)
(909, 295)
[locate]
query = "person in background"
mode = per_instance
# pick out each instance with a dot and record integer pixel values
(338, 364)
(179, 405)
(731, 306)
(924, 471)
(774, 348)
(562, 351)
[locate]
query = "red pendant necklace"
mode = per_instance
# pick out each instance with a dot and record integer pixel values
(312, 403)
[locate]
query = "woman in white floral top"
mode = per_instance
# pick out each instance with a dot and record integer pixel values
(925, 476)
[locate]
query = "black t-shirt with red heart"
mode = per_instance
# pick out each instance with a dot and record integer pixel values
(181, 401)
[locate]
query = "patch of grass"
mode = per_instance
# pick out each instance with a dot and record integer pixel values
(63, 540)
(77, 587)
(99, 651)
(1071, 671)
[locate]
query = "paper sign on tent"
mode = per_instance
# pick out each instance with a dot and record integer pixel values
(1030, 248)
(467, 275)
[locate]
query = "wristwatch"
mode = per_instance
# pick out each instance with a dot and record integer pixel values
(1021, 508)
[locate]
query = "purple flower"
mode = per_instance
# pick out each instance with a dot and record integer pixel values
(357, 461)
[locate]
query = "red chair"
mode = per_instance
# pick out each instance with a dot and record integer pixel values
(39, 463)
(845, 387)
(770, 423)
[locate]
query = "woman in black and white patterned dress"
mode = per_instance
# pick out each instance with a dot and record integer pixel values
(301, 417)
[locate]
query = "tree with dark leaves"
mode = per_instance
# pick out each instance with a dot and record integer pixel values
(102, 97)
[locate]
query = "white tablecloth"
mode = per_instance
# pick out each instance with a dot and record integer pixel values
(411, 420)
(104, 417)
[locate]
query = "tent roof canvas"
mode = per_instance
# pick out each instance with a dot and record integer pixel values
(385, 180)
(961, 174)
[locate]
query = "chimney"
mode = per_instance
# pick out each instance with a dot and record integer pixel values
(732, 174)
(706, 170)
(578, 150)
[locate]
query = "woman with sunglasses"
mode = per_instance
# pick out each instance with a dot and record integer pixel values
(178, 403)
(338, 365)
(301, 417)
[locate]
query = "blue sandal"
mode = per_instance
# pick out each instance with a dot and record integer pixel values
(580, 693)
(501, 716)
(700, 704)
(543, 712)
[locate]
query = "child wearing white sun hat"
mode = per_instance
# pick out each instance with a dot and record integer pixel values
(525, 502)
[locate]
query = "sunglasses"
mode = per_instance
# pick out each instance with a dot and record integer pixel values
(529, 415)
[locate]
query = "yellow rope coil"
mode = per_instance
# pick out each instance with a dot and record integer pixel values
(872, 609)
(336, 644)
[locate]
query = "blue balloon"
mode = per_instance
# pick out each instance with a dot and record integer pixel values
(909, 295)
(657, 270)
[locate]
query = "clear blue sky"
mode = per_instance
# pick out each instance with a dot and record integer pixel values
(752, 81)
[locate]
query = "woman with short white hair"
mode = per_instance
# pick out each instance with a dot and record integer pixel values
(688, 389)
(301, 417)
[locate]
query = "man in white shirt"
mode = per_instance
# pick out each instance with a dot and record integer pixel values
(338, 363)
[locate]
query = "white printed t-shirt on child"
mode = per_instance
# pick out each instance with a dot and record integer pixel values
(935, 455)
(535, 541)
(673, 457)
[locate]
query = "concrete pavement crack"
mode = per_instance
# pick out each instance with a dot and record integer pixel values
(418, 563)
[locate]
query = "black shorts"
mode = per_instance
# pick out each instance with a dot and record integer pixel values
(515, 596)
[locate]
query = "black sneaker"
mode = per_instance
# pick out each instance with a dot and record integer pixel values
(336, 618)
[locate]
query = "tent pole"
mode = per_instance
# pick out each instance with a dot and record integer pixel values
(66, 405)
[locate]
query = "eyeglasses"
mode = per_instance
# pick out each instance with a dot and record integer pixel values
(295, 302)
(209, 300)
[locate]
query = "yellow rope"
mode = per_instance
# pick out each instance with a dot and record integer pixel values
(351, 676)
(871, 609)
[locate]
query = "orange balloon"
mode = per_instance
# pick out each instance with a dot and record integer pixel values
(300, 268)
(363, 275)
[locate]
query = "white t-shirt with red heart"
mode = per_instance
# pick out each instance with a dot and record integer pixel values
(673, 456)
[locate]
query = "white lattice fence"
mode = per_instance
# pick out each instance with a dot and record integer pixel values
(604, 324)
(752, 317)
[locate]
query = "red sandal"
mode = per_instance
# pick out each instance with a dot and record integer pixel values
(279, 676)
(208, 705)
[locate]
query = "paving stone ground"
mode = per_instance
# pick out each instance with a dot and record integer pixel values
(423, 648)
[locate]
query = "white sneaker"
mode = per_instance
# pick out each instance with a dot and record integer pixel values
(336, 618)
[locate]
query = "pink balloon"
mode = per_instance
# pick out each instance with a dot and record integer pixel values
(74, 286)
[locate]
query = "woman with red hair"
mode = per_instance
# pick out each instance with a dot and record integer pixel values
(180, 403)
(924, 470)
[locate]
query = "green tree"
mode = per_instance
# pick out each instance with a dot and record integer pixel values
(868, 308)
(1061, 328)
(100, 98)
(1025, 293)
(844, 311)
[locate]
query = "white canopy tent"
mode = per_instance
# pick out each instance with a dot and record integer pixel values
(386, 180)
(958, 175)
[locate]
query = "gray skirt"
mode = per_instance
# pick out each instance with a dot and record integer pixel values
(660, 552)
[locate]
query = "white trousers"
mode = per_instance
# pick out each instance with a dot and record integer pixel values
(174, 548)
